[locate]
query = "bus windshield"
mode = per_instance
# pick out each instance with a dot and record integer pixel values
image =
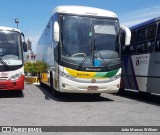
(90, 42)
(10, 47)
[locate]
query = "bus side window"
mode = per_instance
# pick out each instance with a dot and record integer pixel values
(151, 33)
(141, 47)
(150, 45)
(126, 50)
(131, 48)
(158, 34)
(157, 47)
(133, 37)
(141, 41)
(141, 35)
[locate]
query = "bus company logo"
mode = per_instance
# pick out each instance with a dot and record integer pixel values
(3, 74)
(137, 62)
(93, 80)
(143, 60)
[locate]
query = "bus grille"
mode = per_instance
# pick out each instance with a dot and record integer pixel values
(3, 85)
(3, 78)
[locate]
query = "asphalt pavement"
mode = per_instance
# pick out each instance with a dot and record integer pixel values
(36, 106)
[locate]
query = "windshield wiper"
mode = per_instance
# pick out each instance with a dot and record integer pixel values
(82, 62)
(103, 61)
(100, 55)
(3, 63)
(93, 58)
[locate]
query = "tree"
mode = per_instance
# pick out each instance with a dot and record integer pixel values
(34, 68)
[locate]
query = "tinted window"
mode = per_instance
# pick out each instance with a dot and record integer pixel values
(133, 37)
(10, 46)
(158, 34)
(150, 45)
(141, 41)
(157, 46)
(151, 31)
(141, 35)
(141, 47)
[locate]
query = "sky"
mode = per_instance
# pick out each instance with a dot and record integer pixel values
(33, 15)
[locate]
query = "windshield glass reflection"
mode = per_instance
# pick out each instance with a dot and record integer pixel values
(89, 42)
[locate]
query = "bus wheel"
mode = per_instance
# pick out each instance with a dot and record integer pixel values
(54, 92)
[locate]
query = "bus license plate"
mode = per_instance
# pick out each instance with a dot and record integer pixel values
(92, 87)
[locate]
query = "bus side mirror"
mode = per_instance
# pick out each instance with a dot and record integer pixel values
(127, 35)
(56, 32)
(24, 46)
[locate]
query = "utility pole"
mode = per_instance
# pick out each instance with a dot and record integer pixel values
(16, 21)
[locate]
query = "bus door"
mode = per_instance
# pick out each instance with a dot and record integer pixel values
(128, 71)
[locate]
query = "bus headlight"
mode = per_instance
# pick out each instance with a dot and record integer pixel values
(66, 75)
(15, 77)
(115, 77)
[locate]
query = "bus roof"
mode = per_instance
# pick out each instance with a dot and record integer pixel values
(9, 28)
(145, 23)
(83, 10)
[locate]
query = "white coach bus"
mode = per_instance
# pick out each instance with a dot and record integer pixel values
(81, 46)
(11, 59)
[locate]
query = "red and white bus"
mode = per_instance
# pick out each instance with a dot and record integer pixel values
(11, 59)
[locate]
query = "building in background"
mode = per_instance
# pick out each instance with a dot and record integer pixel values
(30, 56)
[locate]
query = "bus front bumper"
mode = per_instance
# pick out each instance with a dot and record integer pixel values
(70, 86)
(12, 85)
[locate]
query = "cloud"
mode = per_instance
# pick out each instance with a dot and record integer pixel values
(138, 16)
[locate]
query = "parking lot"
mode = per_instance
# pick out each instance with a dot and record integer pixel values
(36, 106)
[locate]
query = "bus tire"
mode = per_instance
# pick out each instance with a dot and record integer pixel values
(54, 92)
